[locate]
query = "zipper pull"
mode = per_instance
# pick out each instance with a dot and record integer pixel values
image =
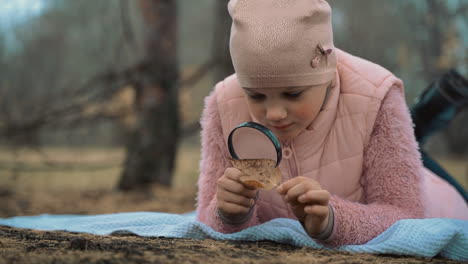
(287, 152)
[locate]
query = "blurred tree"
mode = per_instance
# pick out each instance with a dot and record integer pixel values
(152, 147)
(54, 72)
(426, 39)
(221, 40)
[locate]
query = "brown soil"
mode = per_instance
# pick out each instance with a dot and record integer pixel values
(30, 246)
(25, 246)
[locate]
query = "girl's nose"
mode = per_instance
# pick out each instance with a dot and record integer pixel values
(276, 113)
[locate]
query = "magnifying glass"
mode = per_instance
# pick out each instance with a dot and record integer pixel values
(256, 152)
(251, 140)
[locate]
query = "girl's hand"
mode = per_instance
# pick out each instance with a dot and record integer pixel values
(234, 199)
(308, 202)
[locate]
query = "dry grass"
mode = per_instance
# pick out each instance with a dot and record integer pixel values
(70, 181)
(83, 168)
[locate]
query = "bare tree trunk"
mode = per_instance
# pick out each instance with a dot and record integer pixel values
(221, 40)
(152, 147)
(436, 23)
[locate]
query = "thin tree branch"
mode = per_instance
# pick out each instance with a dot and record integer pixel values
(129, 37)
(199, 73)
(110, 82)
(461, 11)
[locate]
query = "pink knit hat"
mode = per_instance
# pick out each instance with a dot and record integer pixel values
(282, 43)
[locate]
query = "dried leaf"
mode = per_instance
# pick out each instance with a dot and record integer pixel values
(259, 173)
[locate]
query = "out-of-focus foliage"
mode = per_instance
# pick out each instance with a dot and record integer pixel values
(71, 41)
(55, 55)
(418, 40)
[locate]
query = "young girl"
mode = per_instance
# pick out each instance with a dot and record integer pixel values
(350, 167)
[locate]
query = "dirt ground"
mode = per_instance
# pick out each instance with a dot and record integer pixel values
(92, 193)
(29, 246)
(25, 246)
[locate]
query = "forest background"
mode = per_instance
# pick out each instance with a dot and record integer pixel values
(102, 97)
(100, 103)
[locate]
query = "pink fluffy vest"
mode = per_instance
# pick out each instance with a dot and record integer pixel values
(331, 150)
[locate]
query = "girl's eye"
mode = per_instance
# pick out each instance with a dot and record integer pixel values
(293, 95)
(256, 96)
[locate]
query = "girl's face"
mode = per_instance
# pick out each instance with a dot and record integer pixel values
(286, 111)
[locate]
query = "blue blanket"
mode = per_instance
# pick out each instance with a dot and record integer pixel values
(413, 237)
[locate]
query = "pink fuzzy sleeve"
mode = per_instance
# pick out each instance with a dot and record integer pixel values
(212, 166)
(391, 178)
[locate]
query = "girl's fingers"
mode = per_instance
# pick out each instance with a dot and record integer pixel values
(233, 174)
(286, 186)
(315, 197)
(317, 210)
(232, 208)
(230, 197)
(230, 185)
(292, 196)
(294, 192)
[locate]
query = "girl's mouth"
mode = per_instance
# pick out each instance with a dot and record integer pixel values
(282, 127)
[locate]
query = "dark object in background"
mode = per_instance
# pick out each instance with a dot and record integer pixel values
(439, 104)
(435, 108)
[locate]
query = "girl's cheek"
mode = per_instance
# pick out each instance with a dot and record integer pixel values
(302, 111)
(256, 111)
(305, 112)
(309, 108)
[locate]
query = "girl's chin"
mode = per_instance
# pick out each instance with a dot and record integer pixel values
(287, 137)
(284, 137)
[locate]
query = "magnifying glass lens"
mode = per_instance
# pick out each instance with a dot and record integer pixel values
(250, 143)
(251, 140)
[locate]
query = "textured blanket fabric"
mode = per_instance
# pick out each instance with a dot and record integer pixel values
(414, 237)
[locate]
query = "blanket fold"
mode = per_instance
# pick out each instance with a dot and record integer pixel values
(413, 237)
